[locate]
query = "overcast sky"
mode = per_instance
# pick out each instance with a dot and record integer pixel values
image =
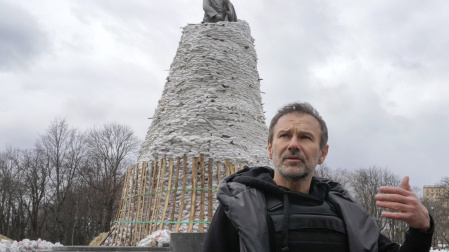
(377, 71)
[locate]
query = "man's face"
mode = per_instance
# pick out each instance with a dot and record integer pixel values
(295, 150)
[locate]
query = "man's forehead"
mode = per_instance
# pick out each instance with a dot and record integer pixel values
(307, 121)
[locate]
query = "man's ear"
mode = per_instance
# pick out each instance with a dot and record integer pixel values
(323, 154)
(269, 149)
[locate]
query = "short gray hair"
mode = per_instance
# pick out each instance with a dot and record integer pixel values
(303, 108)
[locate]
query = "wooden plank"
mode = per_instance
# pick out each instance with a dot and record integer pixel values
(144, 196)
(236, 167)
(136, 226)
(164, 165)
(119, 211)
(139, 204)
(172, 217)
(153, 178)
(122, 202)
(167, 195)
(181, 209)
(129, 201)
(130, 207)
(241, 167)
(227, 168)
(219, 171)
(193, 198)
(201, 217)
(210, 192)
(133, 208)
(153, 209)
(134, 238)
(117, 215)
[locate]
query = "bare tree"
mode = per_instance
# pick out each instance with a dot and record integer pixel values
(36, 175)
(444, 181)
(338, 175)
(64, 152)
(6, 182)
(365, 184)
(12, 195)
(67, 188)
(112, 149)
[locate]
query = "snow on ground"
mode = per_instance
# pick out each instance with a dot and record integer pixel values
(26, 245)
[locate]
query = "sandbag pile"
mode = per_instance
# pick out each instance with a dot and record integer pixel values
(208, 124)
(211, 103)
(160, 238)
(26, 245)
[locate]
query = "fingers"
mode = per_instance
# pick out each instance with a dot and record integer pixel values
(405, 188)
(405, 184)
(416, 216)
(392, 196)
(397, 198)
(394, 190)
(407, 205)
(404, 206)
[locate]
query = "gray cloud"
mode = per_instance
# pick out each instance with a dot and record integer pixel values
(21, 38)
(376, 71)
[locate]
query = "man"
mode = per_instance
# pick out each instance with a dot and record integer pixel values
(288, 209)
(218, 10)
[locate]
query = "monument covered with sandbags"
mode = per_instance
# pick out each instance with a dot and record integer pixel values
(209, 123)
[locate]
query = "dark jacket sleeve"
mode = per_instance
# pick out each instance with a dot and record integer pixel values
(415, 241)
(221, 235)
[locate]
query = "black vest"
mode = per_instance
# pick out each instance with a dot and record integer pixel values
(313, 225)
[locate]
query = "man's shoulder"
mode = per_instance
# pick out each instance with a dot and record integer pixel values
(259, 178)
(260, 173)
(333, 185)
(335, 188)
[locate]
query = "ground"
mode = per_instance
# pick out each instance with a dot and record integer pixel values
(98, 240)
(4, 238)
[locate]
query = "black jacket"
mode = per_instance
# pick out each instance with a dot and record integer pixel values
(224, 236)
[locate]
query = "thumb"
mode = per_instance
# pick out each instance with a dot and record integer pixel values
(405, 184)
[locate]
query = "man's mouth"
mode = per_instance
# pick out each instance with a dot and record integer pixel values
(292, 158)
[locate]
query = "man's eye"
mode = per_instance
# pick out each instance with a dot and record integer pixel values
(283, 135)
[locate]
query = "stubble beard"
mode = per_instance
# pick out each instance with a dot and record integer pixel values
(303, 169)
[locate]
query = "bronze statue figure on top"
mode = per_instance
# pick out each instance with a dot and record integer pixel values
(218, 10)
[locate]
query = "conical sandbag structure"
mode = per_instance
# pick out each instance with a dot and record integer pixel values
(208, 123)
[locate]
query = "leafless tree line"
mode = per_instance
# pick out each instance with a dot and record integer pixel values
(67, 187)
(364, 183)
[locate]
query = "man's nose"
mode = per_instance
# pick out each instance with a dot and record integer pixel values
(293, 145)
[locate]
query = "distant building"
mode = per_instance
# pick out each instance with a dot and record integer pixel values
(436, 194)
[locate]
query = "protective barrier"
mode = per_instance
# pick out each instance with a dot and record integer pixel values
(176, 195)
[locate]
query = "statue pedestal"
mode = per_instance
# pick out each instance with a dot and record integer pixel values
(208, 123)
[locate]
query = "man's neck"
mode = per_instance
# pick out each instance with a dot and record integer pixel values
(302, 185)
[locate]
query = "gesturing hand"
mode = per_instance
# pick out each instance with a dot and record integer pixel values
(408, 206)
